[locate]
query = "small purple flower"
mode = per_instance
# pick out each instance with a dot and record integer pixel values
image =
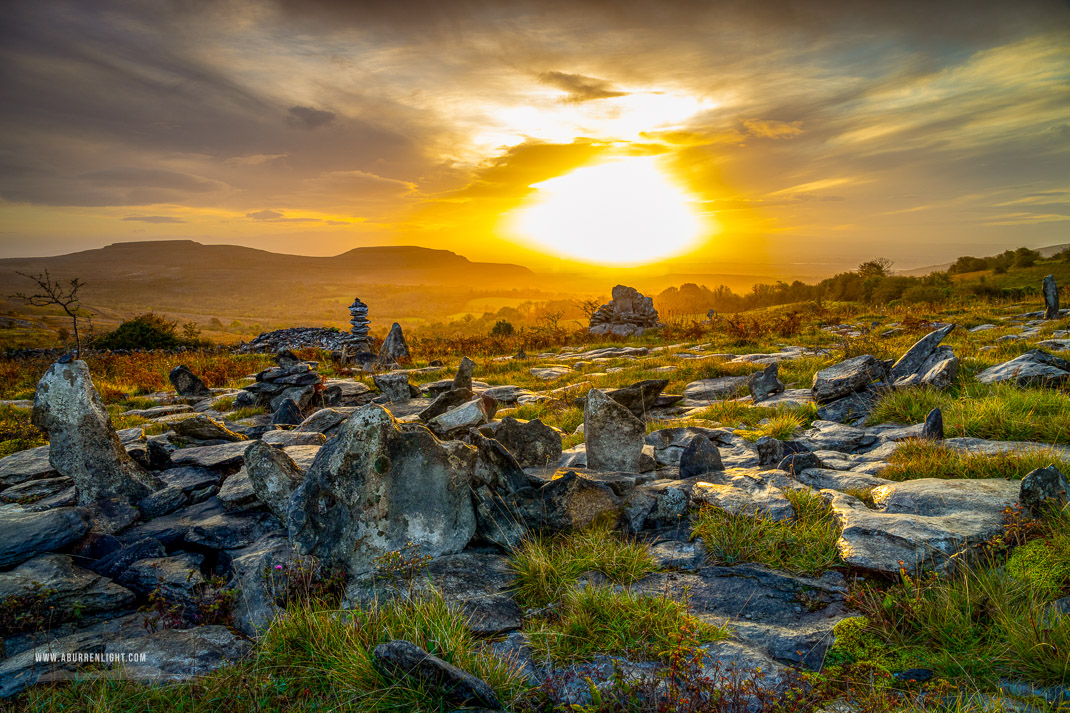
(278, 566)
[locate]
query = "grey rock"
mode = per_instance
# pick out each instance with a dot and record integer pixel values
(796, 463)
(845, 378)
(228, 530)
(325, 420)
(181, 654)
(741, 492)
(24, 534)
(394, 385)
(294, 438)
(911, 362)
(569, 502)
(1043, 488)
(639, 398)
(852, 408)
(532, 443)
(204, 428)
(301, 395)
(174, 528)
(699, 458)
(115, 563)
(628, 313)
(375, 487)
(258, 582)
(612, 434)
(237, 492)
(34, 490)
(67, 586)
(399, 658)
(708, 391)
(1034, 368)
(1050, 291)
(463, 378)
(83, 444)
(923, 523)
(394, 349)
(177, 578)
(30, 464)
(765, 383)
(189, 478)
(468, 415)
(478, 583)
(162, 502)
(187, 383)
(274, 476)
(933, 429)
(445, 401)
(288, 414)
(222, 456)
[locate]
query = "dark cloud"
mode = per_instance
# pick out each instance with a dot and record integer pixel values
(153, 219)
(306, 117)
(579, 87)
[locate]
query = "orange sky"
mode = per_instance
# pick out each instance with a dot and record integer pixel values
(807, 136)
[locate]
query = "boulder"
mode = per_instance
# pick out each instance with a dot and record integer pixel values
(613, 435)
(34, 490)
(237, 492)
(912, 361)
(741, 492)
(83, 445)
(1051, 297)
(475, 413)
(852, 408)
(394, 385)
(847, 377)
(274, 476)
(569, 502)
(532, 443)
(30, 464)
(639, 398)
(204, 428)
(765, 383)
(796, 463)
(294, 438)
(1042, 488)
(394, 349)
(699, 458)
(375, 488)
(463, 378)
(113, 564)
(933, 428)
(261, 574)
(923, 524)
(187, 383)
(627, 314)
(162, 502)
(288, 414)
(24, 534)
(399, 659)
(177, 578)
(1034, 368)
(445, 401)
(67, 588)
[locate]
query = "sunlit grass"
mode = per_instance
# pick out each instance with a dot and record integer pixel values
(805, 544)
(930, 459)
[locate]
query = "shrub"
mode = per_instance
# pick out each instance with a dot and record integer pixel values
(145, 331)
(502, 328)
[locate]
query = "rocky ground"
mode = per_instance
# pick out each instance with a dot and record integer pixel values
(185, 545)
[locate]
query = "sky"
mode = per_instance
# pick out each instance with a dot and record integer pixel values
(805, 136)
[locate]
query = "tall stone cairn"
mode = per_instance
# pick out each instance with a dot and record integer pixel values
(359, 331)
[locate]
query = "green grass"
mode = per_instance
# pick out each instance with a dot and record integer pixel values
(547, 568)
(930, 459)
(999, 412)
(310, 660)
(805, 544)
(599, 620)
(986, 621)
(246, 412)
(16, 431)
(781, 426)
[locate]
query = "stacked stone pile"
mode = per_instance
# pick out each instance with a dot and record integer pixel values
(628, 314)
(359, 338)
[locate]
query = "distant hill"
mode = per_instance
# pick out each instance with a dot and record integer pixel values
(187, 279)
(919, 271)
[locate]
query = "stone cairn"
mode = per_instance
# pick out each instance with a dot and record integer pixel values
(628, 314)
(359, 339)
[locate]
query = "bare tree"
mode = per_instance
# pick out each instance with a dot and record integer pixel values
(53, 292)
(879, 267)
(589, 307)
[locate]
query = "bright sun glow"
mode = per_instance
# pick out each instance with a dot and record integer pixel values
(622, 212)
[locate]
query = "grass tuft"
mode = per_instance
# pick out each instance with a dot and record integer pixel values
(930, 459)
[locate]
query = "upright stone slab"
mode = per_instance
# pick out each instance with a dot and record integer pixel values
(187, 383)
(916, 356)
(82, 442)
(766, 383)
(1051, 298)
(613, 435)
(463, 378)
(274, 476)
(394, 349)
(375, 488)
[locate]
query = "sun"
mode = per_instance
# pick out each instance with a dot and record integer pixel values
(625, 211)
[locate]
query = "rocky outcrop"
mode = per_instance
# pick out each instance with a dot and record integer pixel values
(394, 350)
(187, 383)
(765, 383)
(915, 360)
(297, 380)
(83, 444)
(532, 443)
(1034, 368)
(846, 378)
(640, 397)
(394, 386)
(203, 427)
(375, 488)
(25, 534)
(1050, 291)
(628, 314)
(920, 524)
(612, 434)
(274, 476)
